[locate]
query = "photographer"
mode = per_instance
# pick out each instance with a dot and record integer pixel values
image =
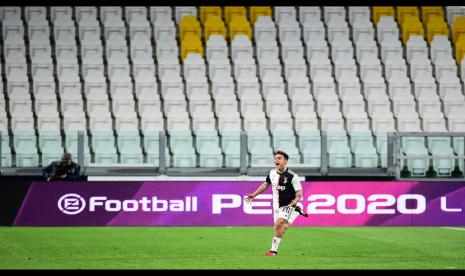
(64, 170)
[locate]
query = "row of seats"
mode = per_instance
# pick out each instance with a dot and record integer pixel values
(261, 144)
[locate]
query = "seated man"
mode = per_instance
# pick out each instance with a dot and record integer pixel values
(64, 170)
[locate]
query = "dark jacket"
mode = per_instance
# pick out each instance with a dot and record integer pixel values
(57, 169)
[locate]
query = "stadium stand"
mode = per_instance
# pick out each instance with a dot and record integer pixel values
(289, 78)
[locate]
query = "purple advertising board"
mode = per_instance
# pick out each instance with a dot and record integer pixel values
(208, 203)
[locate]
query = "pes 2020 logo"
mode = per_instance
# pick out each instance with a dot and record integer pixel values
(71, 204)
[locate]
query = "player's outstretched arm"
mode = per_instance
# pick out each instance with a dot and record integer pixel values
(248, 198)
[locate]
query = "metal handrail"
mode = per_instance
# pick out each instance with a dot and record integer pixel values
(394, 157)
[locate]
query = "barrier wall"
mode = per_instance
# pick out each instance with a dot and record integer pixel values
(13, 190)
(179, 203)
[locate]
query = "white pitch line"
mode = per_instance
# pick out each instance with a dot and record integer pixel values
(454, 228)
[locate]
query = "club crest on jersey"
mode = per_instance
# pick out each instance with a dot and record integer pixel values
(284, 180)
(281, 188)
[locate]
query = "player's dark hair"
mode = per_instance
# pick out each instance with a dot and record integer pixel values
(66, 157)
(283, 154)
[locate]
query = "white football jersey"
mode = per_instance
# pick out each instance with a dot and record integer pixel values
(284, 187)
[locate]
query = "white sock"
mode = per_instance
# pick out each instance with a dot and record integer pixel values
(275, 244)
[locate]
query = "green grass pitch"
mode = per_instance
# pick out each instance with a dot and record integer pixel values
(231, 248)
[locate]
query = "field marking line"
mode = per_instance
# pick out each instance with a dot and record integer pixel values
(454, 228)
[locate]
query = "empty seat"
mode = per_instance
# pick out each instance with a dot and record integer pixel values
(310, 146)
(239, 25)
(265, 29)
(365, 154)
(436, 26)
(89, 32)
(6, 156)
(233, 11)
(230, 145)
(189, 25)
(50, 146)
(133, 14)
(440, 148)
(429, 12)
(283, 13)
(417, 167)
(313, 32)
(357, 13)
(103, 147)
(191, 44)
(150, 141)
(160, 11)
(8, 13)
(207, 145)
(259, 148)
(38, 34)
(339, 155)
(164, 29)
(24, 143)
(129, 147)
(214, 25)
(61, 14)
(181, 147)
(289, 30)
(309, 13)
(85, 13)
(286, 141)
(457, 27)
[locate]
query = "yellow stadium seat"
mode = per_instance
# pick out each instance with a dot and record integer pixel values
(189, 24)
(257, 11)
(188, 18)
(205, 12)
(214, 25)
(429, 11)
(411, 26)
(191, 44)
(458, 27)
(460, 48)
(436, 26)
(403, 12)
(239, 25)
(231, 11)
(379, 11)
